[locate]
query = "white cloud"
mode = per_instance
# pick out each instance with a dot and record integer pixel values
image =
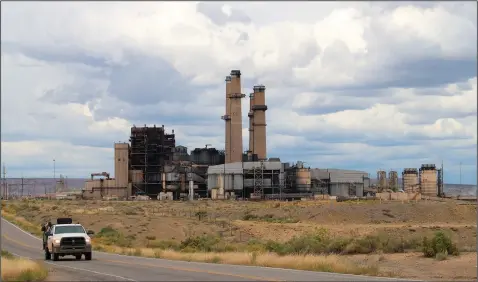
(336, 72)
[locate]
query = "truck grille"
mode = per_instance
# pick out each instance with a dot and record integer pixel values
(72, 242)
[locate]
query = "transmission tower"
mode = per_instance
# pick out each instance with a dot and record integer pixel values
(259, 180)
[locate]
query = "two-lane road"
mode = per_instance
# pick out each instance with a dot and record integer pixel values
(112, 267)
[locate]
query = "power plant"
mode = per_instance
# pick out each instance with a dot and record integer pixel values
(152, 166)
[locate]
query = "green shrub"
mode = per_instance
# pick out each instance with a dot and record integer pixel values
(337, 246)
(439, 244)
(7, 254)
(111, 236)
(199, 243)
(275, 247)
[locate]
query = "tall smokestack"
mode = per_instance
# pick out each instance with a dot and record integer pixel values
(259, 109)
(250, 114)
(233, 102)
(227, 119)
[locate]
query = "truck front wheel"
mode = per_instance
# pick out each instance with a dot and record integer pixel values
(88, 256)
(56, 257)
(47, 254)
(78, 257)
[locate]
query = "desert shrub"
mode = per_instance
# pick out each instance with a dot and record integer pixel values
(204, 243)
(337, 246)
(249, 216)
(276, 247)
(255, 245)
(111, 236)
(439, 244)
(201, 215)
(7, 254)
(312, 243)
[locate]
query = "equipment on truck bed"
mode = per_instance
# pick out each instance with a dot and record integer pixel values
(64, 220)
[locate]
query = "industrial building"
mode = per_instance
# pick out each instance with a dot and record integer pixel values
(273, 179)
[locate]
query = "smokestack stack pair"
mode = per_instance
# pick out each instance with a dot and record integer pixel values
(233, 119)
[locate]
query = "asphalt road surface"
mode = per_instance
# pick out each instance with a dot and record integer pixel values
(112, 267)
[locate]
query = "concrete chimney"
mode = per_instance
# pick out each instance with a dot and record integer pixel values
(259, 109)
(227, 119)
(250, 114)
(234, 150)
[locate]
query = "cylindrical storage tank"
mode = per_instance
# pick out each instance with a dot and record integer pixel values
(410, 180)
(382, 179)
(204, 156)
(428, 180)
(393, 179)
(303, 181)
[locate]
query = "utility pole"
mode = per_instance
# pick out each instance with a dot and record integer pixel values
(54, 175)
(460, 173)
(5, 185)
(22, 187)
(442, 181)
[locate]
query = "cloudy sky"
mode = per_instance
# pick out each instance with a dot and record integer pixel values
(349, 85)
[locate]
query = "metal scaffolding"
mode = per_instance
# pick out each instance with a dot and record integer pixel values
(151, 149)
(258, 181)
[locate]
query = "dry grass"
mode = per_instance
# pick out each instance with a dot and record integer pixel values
(18, 269)
(325, 263)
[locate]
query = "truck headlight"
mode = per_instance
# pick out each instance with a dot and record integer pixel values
(56, 241)
(87, 240)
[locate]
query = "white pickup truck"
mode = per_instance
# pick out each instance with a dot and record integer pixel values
(67, 239)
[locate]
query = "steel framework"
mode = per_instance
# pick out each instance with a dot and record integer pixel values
(151, 149)
(258, 181)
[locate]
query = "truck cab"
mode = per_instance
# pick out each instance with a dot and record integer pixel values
(67, 239)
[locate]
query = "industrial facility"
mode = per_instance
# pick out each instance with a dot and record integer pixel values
(427, 180)
(152, 166)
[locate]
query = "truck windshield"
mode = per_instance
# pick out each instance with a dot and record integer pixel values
(69, 229)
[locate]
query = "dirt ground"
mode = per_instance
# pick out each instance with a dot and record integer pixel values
(281, 221)
(415, 266)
